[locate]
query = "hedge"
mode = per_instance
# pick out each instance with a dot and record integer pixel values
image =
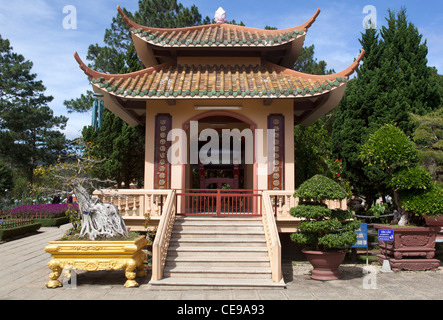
(18, 231)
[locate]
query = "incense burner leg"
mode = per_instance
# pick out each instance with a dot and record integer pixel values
(131, 264)
(141, 272)
(56, 268)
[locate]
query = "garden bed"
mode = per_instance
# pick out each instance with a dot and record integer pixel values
(48, 215)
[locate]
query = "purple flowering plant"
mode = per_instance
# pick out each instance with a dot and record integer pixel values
(44, 210)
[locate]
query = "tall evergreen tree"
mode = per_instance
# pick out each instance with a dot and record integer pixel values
(29, 131)
(393, 80)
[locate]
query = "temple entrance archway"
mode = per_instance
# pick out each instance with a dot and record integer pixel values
(220, 152)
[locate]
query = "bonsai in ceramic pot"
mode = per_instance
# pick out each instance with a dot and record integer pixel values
(99, 239)
(326, 233)
(415, 195)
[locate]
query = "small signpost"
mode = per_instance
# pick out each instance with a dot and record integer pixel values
(386, 235)
(362, 238)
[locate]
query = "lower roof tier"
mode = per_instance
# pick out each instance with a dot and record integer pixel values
(172, 81)
(312, 95)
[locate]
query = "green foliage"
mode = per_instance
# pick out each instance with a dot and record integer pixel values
(29, 131)
(428, 135)
(320, 188)
(428, 202)
(321, 227)
(311, 143)
(123, 148)
(314, 141)
(388, 148)
(310, 211)
(411, 178)
(391, 150)
(378, 209)
(392, 81)
(6, 179)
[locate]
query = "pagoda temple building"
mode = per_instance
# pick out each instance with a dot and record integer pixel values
(203, 83)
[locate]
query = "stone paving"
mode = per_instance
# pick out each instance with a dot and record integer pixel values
(24, 272)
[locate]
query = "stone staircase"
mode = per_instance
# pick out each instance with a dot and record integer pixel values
(216, 252)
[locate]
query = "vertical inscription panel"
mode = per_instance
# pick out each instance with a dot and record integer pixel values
(162, 178)
(276, 173)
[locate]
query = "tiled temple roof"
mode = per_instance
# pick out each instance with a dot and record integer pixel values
(217, 35)
(170, 80)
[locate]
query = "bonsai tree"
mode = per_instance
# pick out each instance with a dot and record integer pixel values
(393, 152)
(76, 175)
(323, 229)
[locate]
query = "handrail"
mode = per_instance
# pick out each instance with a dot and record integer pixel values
(218, 203)
(163, 235)
(272, 238)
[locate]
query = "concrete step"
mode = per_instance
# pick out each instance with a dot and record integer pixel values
(213, 261)
(222, 242)
(218, 283)
(217, 272)
(217, 234)
(217, 252)
(217, 221)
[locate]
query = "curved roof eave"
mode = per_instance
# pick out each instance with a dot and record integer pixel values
(342, 74)
(304, 26)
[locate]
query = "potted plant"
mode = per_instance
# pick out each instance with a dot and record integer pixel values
(325, 233)
(414, 193)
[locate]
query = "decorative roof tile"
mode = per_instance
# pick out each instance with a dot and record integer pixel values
(217, 35)
(169, 80)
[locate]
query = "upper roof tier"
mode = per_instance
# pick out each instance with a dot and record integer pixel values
(154, 45)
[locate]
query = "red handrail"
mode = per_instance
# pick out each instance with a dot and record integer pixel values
(218, 203)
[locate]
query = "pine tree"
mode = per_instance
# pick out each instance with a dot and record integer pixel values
(393, 80)
(29, 131)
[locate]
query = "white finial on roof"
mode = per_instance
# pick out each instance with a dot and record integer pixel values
(220, 16)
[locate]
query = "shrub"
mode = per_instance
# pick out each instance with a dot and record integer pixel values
(389, 148)
(323, 228)
(320, 188)
(428, 202)
(411, 178)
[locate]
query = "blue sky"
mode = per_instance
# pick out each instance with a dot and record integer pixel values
(35, 29)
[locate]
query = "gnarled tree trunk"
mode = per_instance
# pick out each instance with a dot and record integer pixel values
(98, 219)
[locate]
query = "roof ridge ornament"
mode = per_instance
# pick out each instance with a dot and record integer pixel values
(220, 15)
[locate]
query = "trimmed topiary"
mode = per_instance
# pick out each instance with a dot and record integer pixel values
(323, 229)
(320, 188)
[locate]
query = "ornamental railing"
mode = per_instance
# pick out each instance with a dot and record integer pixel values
(163, 236)
(272, 239)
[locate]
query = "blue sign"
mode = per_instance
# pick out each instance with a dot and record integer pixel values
(385, 235)
(362, 236)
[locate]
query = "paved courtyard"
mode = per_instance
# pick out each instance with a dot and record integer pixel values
(24, 272)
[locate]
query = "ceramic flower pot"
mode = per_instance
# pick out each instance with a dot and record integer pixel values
(325, 263)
